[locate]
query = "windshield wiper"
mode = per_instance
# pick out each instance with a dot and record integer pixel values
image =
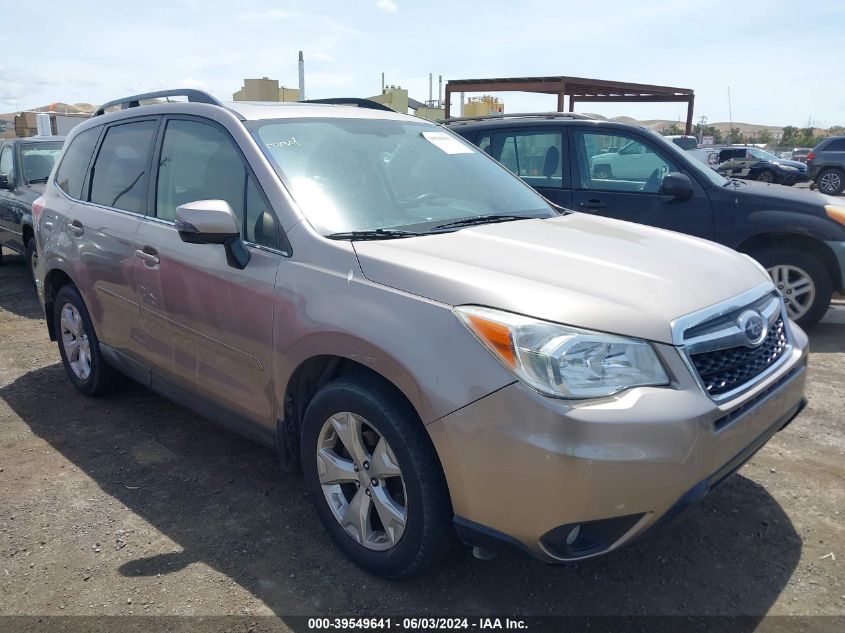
(481, 219)
(375, 234)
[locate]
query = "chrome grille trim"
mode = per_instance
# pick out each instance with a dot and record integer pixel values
(714, 329)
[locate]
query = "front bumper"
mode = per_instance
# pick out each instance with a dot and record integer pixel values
(526, 469)
(793, 178)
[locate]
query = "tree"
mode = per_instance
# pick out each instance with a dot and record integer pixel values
(787, 138)
(672, 130)
(765, 136)
(736, 135)
(708, 130)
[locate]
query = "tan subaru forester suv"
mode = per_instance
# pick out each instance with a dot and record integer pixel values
(443, 354)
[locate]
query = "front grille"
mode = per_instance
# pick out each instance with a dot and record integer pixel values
(726, 369)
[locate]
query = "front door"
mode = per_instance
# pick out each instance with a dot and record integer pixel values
(10, 207)
(537, 156)
(207, 326)
(619, 175)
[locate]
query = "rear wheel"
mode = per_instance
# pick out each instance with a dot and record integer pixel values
(767, 175)
(31, 257)
(831, 181)
(375, 479)
(803, 280)
(80, 347)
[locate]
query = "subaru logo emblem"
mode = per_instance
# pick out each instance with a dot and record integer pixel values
(754, 326)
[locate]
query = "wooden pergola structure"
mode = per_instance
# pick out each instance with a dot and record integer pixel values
(578, 89)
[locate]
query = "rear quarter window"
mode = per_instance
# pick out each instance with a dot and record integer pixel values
(75, 161)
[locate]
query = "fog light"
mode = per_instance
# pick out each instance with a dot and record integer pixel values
(573, 535)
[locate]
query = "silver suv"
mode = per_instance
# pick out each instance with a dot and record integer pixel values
(440, 351)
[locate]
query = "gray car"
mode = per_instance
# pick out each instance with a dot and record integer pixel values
(441, 352)
(826, 165)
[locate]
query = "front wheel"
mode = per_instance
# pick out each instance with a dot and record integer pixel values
(767, 175)
(80, 347)
(803, 280)
(374, 477)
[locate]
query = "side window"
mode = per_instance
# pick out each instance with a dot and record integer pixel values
(619, 163)
(199, 162)
(536, 157)
(836, 145)
(77, 156)
(119, 178)
(7, 163)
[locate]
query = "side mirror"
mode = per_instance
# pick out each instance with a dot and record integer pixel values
(212, 222)
(676, 185)
(4, 182)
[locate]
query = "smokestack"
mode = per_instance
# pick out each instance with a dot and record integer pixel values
(382, 83)
(440, 89)
(301, 77)
(430, 87)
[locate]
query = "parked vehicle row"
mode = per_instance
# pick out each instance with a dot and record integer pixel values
(440, 350)
(826, 165)
(798, 236)
(25, 166)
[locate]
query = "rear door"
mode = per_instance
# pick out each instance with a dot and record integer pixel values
(635, 195)
(206, 326)
(537, 155)
(101, 215)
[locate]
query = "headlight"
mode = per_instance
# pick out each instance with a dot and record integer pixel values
(788, 167)
(835, 212)
(562, 361)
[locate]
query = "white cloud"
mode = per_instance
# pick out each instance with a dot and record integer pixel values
(387, 5)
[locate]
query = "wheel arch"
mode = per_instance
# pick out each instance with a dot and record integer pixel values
(304, 382)
(813, 245)
(28, 233)
(54, 281)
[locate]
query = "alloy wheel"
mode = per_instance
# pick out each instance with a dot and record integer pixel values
(830, 182)
(75, 342)
(766, 176)
(797, 288)
(362, 481)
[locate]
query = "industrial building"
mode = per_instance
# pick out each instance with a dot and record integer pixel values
(265, 89)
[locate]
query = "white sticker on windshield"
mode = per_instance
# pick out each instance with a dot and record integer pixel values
(446, 143)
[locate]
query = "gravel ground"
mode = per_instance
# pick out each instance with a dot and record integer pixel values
(131, 505)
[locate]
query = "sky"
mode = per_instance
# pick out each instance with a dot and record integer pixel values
(781, 59)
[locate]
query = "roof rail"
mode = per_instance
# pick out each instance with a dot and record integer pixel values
(134, 101)
(361, 103)
(521, 115)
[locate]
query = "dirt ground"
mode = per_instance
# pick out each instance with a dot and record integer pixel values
(132, 505)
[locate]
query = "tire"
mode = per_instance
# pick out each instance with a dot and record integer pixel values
(602, 172)
(767, 175)
(787, 266)
(418, 493)
(100, 378)
(31, 257)
(831, 181)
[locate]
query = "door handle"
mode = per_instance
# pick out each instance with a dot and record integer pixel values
(76, 228)
(148, 255)
(593, 203)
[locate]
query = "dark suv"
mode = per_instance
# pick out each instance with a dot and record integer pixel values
(826, 165)
(631, 173)
(25, 166)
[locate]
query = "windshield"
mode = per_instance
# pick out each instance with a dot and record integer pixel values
(760, 154)
(692, 164)
(369, 174)
(37, 160)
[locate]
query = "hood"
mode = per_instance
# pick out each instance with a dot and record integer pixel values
(575, 269)
(791, 163)
(785, 197)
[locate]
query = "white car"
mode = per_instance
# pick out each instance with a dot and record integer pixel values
(634, 161)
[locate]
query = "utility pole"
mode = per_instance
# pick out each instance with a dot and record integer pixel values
(702, 121)
(730, 117)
